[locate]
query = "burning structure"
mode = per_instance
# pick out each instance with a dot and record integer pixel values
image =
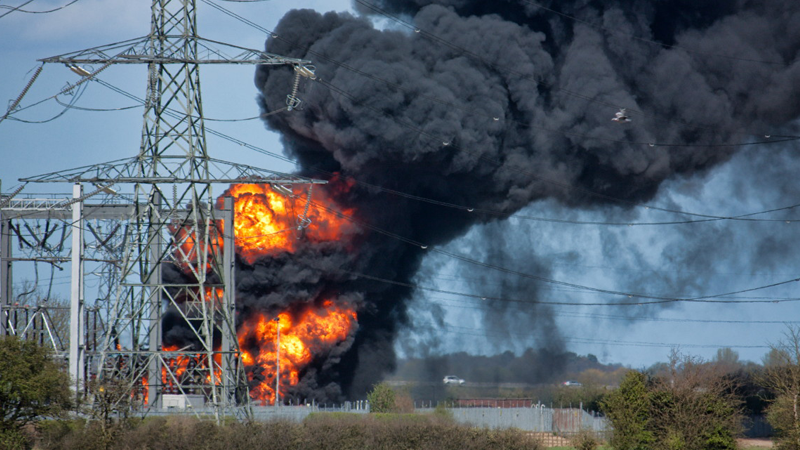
(300, 324)
(317, 322)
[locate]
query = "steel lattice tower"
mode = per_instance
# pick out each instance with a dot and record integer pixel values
(174, 218)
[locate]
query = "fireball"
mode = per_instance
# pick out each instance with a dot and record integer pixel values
(268, 221)
(312, 332)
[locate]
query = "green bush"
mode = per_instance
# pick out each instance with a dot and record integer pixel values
(442, 412)
(32, 385)
(585, 440)
(381, 399)
(689, 406)
(14, 439)
(52, 432)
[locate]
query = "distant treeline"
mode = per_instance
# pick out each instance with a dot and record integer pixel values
(531, 367)
(539, 375)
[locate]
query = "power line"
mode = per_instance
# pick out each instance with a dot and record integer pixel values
(748, 217)
(12, 9)
(661, 299)
(447, 204)
(67, 106)
(17, 8)
(68, 88)
(648, 299)
(705, 217)
(580, 340)
(16, 102)
(72, 105)
(482, 307)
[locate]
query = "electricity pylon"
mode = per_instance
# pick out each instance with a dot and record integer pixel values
(174, 218)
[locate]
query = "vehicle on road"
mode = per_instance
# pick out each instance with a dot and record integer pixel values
(452, 379)
(571, 383)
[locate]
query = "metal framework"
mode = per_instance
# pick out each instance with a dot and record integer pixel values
(42, 228)
(173, 217)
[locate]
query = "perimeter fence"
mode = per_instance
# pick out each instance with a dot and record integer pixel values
(522, 414)
(552, 426)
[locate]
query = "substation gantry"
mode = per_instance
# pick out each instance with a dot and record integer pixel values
(172, 217)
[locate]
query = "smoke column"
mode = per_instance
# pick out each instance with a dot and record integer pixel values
(497, 106)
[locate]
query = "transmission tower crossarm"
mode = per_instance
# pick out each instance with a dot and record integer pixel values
(126, 171)
(140, 51)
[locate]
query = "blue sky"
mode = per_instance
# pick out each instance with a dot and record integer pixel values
(598, 256)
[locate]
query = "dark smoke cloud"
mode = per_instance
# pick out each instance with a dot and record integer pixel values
(553, 83)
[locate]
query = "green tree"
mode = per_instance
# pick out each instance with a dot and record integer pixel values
(688, 404)
(782, 376)
(32, 385)
(382, 399)
(628, 409)
(695, 406)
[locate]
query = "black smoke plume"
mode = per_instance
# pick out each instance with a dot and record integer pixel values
(497, 105)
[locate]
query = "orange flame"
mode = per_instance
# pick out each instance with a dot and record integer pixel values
(177, 366)
(266, 222)
(145, 388)
(214, 295)
(189, 249)
(311, 332)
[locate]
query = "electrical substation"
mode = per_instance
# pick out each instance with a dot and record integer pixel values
(123, 222)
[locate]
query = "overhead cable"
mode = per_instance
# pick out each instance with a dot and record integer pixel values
(18, 8)
(647, 298)
(747, 217)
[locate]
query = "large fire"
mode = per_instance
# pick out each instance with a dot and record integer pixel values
(269, 221)
(310, 332)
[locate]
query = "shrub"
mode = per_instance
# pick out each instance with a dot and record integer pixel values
(381, 399)
(442, 412)
(13, 439)
(32, 385)
(694, 407)
(690, 406)
(322, 431)
(403, 402)
(73, 435)
(585, 440)
(782, 415)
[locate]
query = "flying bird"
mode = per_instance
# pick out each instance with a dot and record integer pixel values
(621, 116)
